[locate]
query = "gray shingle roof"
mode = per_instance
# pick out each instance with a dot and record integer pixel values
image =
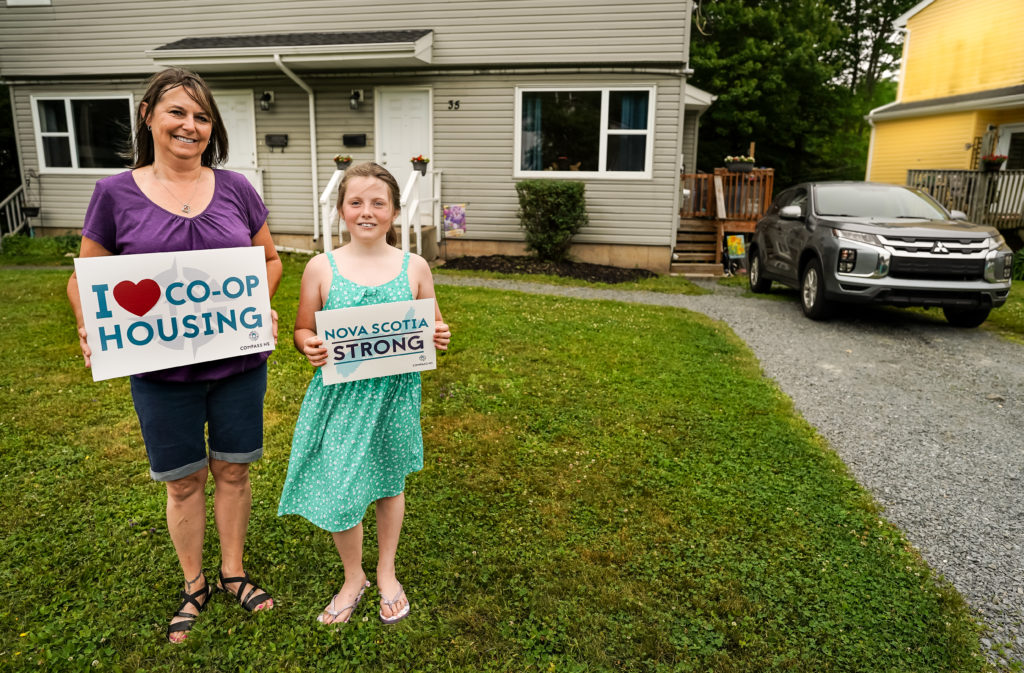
(295, 40)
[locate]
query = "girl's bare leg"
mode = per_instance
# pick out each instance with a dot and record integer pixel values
(350, 548)
(390, 513)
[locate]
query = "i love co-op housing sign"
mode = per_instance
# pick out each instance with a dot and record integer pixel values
(153, 311)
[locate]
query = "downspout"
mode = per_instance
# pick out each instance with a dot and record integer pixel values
(312, 142)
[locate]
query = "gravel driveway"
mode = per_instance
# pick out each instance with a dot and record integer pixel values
(929, 418)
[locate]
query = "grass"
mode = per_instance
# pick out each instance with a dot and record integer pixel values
(666, 284)
(607, 487)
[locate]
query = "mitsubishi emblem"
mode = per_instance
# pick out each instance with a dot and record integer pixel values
(939, 249)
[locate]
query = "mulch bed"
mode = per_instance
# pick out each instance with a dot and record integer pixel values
(593, 273)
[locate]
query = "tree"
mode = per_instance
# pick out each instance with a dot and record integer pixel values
(797, 77)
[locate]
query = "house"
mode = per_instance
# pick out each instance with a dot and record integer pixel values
(492, 91)
(961, 90)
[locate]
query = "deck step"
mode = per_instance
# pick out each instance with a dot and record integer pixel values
(696, 269)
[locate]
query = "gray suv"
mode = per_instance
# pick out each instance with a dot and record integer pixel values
(873, 242)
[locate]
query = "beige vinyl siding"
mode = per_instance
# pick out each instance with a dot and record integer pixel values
(64, 195)
(474, 146)
(79, 37)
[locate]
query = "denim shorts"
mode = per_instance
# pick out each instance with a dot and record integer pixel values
(173, 417)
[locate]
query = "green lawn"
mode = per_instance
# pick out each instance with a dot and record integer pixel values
(607, 487)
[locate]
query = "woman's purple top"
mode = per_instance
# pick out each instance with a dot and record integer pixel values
(124, 221)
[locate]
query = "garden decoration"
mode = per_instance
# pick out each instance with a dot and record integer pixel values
(419, 162)
(992, 162)
(739, 164)
(342, 161)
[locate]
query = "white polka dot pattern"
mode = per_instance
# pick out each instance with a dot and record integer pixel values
(355, 442)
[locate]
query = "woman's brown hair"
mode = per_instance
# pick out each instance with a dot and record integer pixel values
(216, 151)
(373, 170)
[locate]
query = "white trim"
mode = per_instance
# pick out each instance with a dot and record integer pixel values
(1005, 131)
(880, 114)
(28, 3)
(38, 134)
(602, 156)
(901, 20)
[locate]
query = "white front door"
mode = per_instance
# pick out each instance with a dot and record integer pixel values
(404, 131)
(237, 111)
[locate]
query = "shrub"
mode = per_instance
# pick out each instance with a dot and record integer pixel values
(551, 212)
(1018, 265)
(47, 247)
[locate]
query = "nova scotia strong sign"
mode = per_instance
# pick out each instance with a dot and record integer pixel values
(154, 311)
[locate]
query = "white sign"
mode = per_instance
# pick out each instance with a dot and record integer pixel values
(364, 342)
(159, 310)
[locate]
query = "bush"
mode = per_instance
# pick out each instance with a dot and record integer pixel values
(551, 212)
(1018, 265)
(39, 248)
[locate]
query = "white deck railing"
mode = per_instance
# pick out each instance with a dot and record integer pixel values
(12, 216)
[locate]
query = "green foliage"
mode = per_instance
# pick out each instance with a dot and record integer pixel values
(551, 212)
(21, 249)
(796, 77)
(606, 487)
(1018, 265)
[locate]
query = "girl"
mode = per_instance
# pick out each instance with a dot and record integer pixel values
(355, 442)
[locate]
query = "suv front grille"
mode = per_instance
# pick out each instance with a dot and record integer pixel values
(936, 267)
(936, 258)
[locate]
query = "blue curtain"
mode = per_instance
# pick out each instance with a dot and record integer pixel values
(531, 136)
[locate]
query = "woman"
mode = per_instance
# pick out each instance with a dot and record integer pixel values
(173, 200)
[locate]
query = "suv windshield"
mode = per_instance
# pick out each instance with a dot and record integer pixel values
(874, 201)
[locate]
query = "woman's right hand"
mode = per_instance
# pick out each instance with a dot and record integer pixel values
(313, 349)
(83, 343)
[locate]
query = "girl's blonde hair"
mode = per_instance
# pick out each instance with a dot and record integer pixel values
(373, 170)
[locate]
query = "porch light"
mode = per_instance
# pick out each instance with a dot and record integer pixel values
(266, 100)
(353, 100)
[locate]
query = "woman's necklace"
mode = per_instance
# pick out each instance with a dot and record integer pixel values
(185, 207)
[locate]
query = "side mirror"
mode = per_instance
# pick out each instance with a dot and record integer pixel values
(791, 212)
(957, 215)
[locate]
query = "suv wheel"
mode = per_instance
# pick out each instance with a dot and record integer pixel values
(758, 283)
(966, 317)
(812, 291)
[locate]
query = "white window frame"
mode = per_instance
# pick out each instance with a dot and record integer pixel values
(28, 3)
(645, 174)
(70, 133)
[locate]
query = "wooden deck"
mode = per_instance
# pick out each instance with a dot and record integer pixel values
(715, 205)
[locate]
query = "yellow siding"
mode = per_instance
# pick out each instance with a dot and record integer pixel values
(961, 46)
(942, 141)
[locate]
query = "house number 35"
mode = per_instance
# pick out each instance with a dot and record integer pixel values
(453, 105)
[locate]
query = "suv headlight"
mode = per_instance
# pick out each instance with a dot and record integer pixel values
(996, 242)
(858, 236)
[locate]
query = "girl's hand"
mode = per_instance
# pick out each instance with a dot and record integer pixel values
(83, 343)
(273, 321)
(442, 335)
(314, 351)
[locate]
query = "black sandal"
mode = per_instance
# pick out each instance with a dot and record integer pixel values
(189, 620)
(250, 602)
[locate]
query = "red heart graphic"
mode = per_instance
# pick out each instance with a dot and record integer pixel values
(137, 297)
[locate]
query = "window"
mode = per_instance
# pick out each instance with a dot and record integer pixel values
(82, 132)
(28, 3)
(597, 132)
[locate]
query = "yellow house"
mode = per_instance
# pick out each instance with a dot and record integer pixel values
(961, 90)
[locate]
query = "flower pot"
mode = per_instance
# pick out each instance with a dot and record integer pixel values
(991, 166)
(421, 166)
(342, 165)
(739, 166)
(30, 211)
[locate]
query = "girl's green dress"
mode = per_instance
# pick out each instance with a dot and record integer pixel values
(354, 442)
